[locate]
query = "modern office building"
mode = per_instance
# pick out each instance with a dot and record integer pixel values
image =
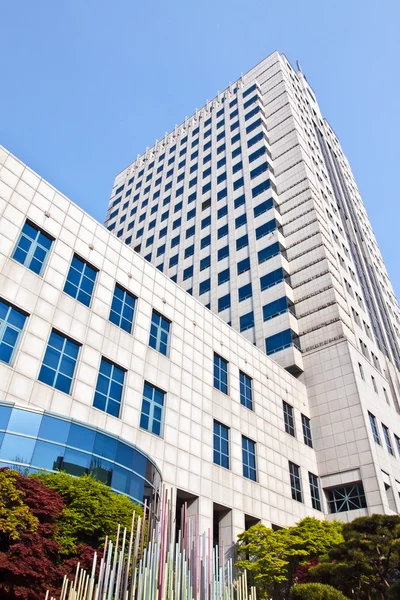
(279, 402)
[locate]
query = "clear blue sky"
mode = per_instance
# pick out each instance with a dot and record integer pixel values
(86, 85)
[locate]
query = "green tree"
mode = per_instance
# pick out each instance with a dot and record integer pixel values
(315, 591)
(271, 557)
(367, 563)
(15, 516)
(92, 511)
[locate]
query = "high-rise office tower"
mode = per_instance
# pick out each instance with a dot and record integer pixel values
(250, 205)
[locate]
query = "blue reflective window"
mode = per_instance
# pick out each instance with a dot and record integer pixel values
(314, 490)
(151, 417)
(187, 273)
(191, 214)
(189, 251)
(48, 456)
(241, 220)
(222, 212)
(238, 183)
(245, 292)
(272, 278)
(295, 482)
(32, 248)
(221, 177)
(204, 286)
(253, 126)
(288, 417)
(12, 322)
(221, 445)
(221, 162)
(268, 252)
(54, 430)
(175, 241)
(374, 427)
(81, 437)
(76, 463)
(222, 194)
(242, 242)
(205, 241)
(205, 262)
(281, 340)
(206, 187)
(259, 189)
(159, 333)
(277, 307)
(80, 280)
(223, 252)
(306, 423)
(206, 222)
(59, 362)
(105, 446)
(263, 207)
(223, 231)
(247, 321)
(23, 421)
(5, 412)
(109, 388)
(251, 113)
(236, 138)
(220, 374)
(224, 302)
(16, 448)
(249, 458)
(221, 149)
(246, 393)
(240, 201)
(266, 228)
(243, 266)
(250, 102)
(237, 167)
(122, 308)
(173, 260)
(161, 249)
(252, 88)
(255, 139)
(223, 276)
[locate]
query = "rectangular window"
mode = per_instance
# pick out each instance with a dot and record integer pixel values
(346, 497)
(190, 232)
(205, 241)
(268, 252)
(222, 212)
(251, 113)
(239, 221)
(12, 322)
(249, 458)
(386, 435)
(314, 491)
(187, 273)
(220, 374)
(159, 333)
(223, 276)
(204, 286)
(189, 251)
(191, 214)
(259, 189)
(59, 362)
(272, 278)
(109, 388)
(260, 152)
(122, 308)
(173, 260)
(277, 307)
(206, 222)
(263, 207)
(161, 249)
(266, 228)
(223, 252)
(289, 419)
(240, 201)
(253, 126)
(221, 445)
(250, 102)
(397, 439)
(220, 164)
(246, 321)
(175, 241)
(224, 302)
(245, 292)
(246, 394)
(221, 177)
(306, 423)
(295, 482)
(222, 231)
(236, 138)
(280, 341)
(32, 248)
(151, 418)
(80, 280)
(237, 167)
(374, 428)
(243, 266)
(238, 183)
(242, 242)
(205, 262)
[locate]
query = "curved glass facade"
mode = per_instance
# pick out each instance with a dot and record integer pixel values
(44, 441)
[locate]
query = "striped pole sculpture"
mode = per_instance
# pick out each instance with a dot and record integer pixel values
(154, 562)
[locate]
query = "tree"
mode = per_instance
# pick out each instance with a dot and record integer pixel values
(367, 563)
(271, 557)
(315, 591)
(15, 515)
(92, 511)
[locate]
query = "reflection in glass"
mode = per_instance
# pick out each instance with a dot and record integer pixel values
(101, 470)
(105, 445)
(81, 437)
(76, 463)
(124, 455)
(23, 421)
(17, 449)
(55, 430)
(48, 456)
(5, 412)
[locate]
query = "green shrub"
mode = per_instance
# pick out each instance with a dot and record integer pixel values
(315, 591)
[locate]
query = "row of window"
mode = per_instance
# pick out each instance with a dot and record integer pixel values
(386, 435)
